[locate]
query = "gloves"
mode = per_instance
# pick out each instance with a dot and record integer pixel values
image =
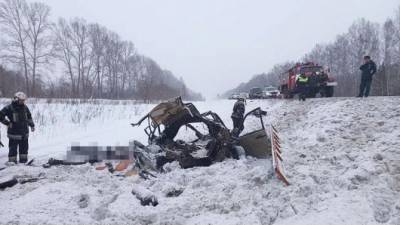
(33, 129)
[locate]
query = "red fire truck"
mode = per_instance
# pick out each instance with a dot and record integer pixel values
(319, 81)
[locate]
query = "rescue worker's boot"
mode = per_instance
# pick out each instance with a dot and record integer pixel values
(12, 160)
(23, 158)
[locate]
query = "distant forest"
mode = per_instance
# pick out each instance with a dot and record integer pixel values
(88, 60)
(344, 57)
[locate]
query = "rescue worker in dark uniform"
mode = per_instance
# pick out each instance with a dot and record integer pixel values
(368, 69)
(238, 116)
(17, 118)
(302, 86)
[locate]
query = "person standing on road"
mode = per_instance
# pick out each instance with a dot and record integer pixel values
(302, 86)
(238, 116)
(368, 69)
(17, 117)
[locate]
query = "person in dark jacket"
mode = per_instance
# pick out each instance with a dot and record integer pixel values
(17, 118)
(238, 116)
(302, 86)
(368, 69)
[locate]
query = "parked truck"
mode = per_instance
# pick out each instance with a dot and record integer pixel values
(319, 81)
(256, 93)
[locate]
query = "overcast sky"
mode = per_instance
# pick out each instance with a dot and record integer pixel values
(217, 44)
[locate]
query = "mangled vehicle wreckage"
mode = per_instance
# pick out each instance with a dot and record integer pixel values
(213, 142)
(216, 142)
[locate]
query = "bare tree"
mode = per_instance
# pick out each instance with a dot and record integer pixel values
(40, 40)
(388, 43)
(82, 54)
(72, 41)
(98, 40)
(127, 65)
(15, 40)
(65, 50)
(28, 41)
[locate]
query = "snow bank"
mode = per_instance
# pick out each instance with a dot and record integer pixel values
(342, 158)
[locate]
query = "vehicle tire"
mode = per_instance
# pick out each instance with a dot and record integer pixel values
(328, 91)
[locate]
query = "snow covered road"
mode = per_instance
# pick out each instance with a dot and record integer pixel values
(342, 158)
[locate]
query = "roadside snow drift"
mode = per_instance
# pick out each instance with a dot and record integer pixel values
(342, 158)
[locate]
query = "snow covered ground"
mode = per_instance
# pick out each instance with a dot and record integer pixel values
(342, 158)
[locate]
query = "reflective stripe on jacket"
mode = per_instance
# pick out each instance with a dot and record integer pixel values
(302, 79)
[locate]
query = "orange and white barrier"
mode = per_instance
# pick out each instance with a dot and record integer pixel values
(277, 161)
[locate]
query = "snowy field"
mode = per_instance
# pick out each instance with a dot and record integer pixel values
(342, 158)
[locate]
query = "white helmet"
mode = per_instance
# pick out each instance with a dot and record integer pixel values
(20, 96)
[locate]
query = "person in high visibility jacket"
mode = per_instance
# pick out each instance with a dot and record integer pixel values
(302, 86)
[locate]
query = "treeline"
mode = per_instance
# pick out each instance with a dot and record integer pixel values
(94, 61)
(345, 55)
